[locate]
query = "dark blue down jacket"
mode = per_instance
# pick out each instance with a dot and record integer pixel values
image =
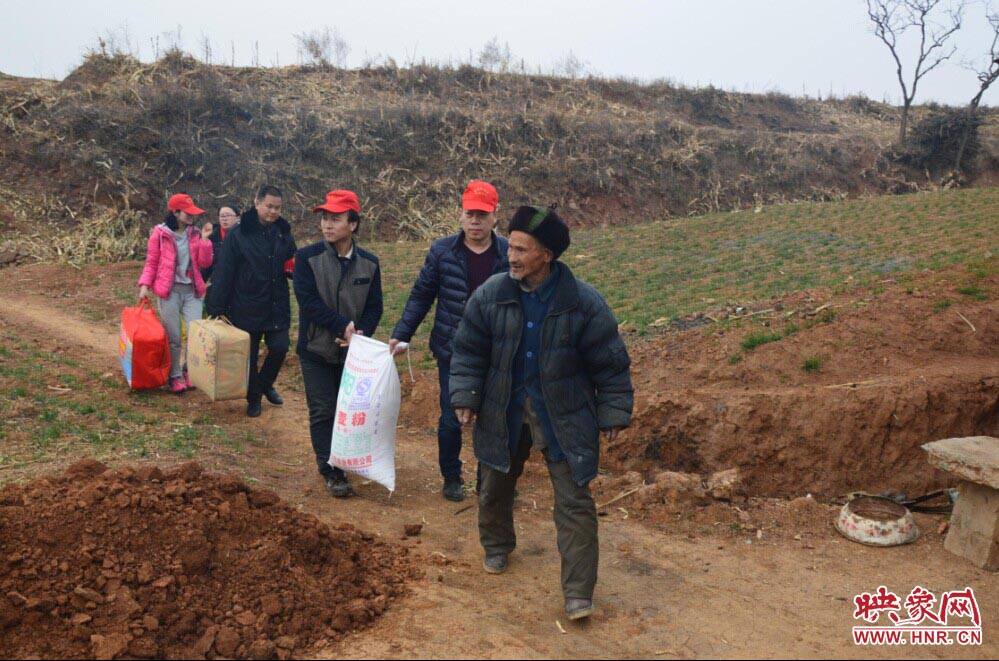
(585, 370)
(444, 276)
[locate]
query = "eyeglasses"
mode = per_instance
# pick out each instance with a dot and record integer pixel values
(227, 215)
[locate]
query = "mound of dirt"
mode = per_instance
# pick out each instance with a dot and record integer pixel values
(894, 368)
(101, 563)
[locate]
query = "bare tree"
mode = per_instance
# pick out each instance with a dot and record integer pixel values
(987, 72)
(571, 66)
(341, 49)
(935, 21)
(494, 57)
(324, 48)
(205, 45)
(174, 40)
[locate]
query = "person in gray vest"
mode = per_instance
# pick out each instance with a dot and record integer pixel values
(538, 363)
(338, 285)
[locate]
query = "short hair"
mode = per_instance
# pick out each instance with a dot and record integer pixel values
(266, 190)
(354, 217)
(234, 207)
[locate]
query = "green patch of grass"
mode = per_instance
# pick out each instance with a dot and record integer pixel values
(80, 408)
(814, 364)
(184, 440)
(18, 393)
(94, 438)
(43, 437)
(735, 359)
(15, 372)
(940, 306)
(139, 444)
(759, 338)
(973, 291)
(677, 264)
(790, 330)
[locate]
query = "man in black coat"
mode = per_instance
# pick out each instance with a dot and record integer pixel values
(539, 364)
(455, 267)
(251, 288)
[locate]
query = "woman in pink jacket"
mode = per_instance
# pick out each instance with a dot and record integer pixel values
(177, 252)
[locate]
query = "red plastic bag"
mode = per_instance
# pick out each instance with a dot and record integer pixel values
(143, 347)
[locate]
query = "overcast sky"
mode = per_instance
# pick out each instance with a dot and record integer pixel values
(813, 47)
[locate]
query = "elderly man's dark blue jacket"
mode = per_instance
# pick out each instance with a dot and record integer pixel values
(584, 368)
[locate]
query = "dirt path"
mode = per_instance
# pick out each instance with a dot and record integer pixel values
(660, 594)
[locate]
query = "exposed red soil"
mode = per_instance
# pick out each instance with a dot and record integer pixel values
(898, 369)
(102, 563)
(732, 576)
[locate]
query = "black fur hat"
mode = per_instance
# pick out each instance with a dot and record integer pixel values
(544, 225)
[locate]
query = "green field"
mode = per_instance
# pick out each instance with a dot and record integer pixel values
(52, 406)
(672, 268)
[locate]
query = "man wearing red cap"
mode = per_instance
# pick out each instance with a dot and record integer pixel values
(455, 267)
(339, 290)
(250, 287)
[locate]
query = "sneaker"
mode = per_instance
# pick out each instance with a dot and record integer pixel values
(454, 489)
(253, 409)
(274, 397)
(177, 386)
(576, 609)
(338, 486)
(187, 381)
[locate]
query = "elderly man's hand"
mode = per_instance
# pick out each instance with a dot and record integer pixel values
(465, 416)
(612, 433)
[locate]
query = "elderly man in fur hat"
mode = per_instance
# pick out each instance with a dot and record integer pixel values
(539, 364)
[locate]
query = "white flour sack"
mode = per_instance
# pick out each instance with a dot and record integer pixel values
(367, 409)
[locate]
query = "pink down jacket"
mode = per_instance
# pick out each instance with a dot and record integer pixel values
(161, 261)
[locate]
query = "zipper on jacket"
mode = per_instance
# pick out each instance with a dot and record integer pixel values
(343, 276)
(506, 405)
(541, 372)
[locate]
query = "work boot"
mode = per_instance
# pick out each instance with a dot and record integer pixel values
(454, 489)
(274, 397)
(495, 563)
(253, 408)
(576, 609)
(338, 486)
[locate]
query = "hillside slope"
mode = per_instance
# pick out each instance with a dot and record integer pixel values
(118, 133)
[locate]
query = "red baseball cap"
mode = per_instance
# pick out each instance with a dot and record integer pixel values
(181, 202)
(338, 201)
(480, 196)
